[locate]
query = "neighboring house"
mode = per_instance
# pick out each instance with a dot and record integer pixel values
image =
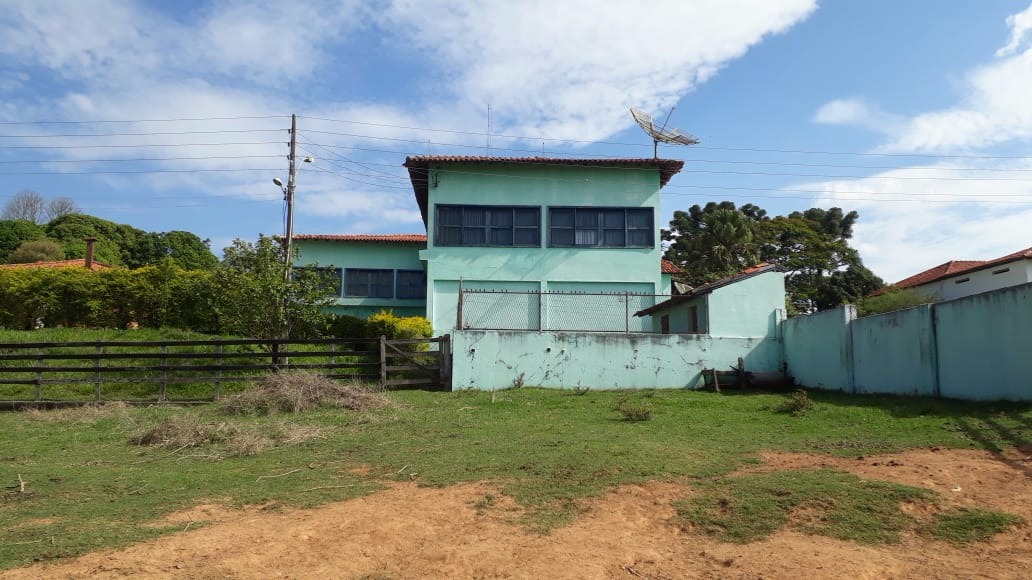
(370, 273)
(667, 269)
(538, 224)
(79, 263)
(747, 304)
(959, 278)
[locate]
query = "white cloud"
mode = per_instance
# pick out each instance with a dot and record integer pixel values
(856, 111)
(570, 70)
(1020, 24)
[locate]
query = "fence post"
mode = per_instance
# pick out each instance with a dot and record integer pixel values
(218, 371)
(541, 309)
(627, 312)
(333, 349)
(40, 363)
(96, 373)
(164, 372)
(458, 309)
(444, 347)
(383, 362)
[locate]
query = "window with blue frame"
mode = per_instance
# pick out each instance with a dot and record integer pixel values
(327, 278)
(601, 227)
(488, 225)
(369, 283)
(410, 284)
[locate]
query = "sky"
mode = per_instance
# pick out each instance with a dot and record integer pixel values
(175, 115)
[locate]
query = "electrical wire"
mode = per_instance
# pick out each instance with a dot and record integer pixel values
(140, 134)
(64, 122)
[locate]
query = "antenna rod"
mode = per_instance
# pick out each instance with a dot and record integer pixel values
(667, 120)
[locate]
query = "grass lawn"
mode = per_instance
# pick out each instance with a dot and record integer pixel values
(86, 486)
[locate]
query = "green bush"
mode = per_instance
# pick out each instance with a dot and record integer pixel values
(345, 326)
(386, 323)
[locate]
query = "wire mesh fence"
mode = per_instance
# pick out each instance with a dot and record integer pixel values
(481, 309)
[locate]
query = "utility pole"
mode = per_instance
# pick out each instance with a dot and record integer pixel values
(290, 194)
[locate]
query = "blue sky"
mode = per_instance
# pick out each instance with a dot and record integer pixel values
(916, 114)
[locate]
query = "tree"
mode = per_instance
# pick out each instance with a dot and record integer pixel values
(714, 241)
(189, 251)
(60, 207)
(252, 296)
(14, 232)
(115, 242)
(37, 251)
(24, 205)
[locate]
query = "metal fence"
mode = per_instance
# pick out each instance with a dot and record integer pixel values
(480, 309)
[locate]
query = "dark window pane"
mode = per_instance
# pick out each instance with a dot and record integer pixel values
(640, 238)
(587, 218)
(561, 237)
(473, 237)
(449, 216)
(561, 217)
(639, 218)
(502, 217)
(527, 217)
(613, 218)
(613, 238)
(411, 284)
(501, 237)
(474, 216)
(528, 237)
(450, 236)
(587, 237)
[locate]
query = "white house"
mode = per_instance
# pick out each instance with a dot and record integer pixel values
(959, 278)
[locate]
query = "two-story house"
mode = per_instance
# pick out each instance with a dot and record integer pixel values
(518, 226)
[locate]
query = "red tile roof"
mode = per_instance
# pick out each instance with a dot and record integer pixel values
(381, 238)
(419, 165)
(957, 267)
(80, 263)
(668, 267)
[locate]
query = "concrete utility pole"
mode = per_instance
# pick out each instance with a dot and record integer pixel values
(290, 194)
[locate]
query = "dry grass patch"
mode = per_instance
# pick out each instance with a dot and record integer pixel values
(89, 413)
(186, 430)
(300, 392)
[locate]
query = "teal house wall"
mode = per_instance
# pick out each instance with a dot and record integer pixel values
(748, 304)
(369, 252)
(541, 183)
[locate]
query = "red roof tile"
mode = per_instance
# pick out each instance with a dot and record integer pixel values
(957, 267)
(668, 267)
(419, 165)
(80, 263)
(381, 238)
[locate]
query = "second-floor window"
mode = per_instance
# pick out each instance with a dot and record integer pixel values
(600, 227)
(369, 283)
(488, 225)
(410, 284)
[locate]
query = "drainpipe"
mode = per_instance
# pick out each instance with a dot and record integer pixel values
(89, 252)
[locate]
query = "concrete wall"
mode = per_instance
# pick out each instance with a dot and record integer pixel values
(541, 186)
(985, 345)
(974, 348)
(818, 350)
(493, 360)
(343, 255)
(895, 352)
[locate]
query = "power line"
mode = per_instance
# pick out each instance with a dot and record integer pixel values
(139, 134)
(140, 145)
(134, 171)
(140, 159)
(97, 122)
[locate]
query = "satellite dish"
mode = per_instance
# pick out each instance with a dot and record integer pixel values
(672, 136)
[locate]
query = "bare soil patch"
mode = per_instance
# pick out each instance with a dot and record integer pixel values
(467, 531)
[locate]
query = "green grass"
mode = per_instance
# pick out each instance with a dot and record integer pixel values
(824, 502)
(967, 525)
(87, 487)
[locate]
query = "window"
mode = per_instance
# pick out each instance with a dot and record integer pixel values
(369, 283)
(411, 284)
(664, 324)
(488, 225)
(962, 280)
(326, 278)
(600, 227)
(693, 320)
(1001, 271)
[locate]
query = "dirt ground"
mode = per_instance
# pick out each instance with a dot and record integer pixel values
(413, 532)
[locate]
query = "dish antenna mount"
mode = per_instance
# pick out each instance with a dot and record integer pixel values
(672, 136)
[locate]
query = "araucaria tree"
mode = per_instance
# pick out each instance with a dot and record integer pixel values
(822, 270)
(252, 295)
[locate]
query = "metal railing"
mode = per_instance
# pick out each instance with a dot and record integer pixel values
(480, 309)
